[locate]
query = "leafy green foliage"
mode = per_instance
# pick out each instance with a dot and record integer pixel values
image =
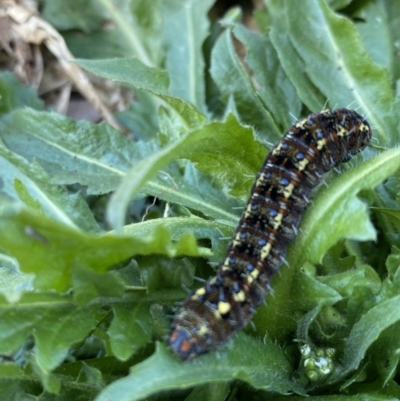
(100, 232)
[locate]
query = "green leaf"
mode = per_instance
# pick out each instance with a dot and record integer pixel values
(392, 15)
(89, 285)
(347, 282)
(159, 273)
(70, 151)
(31, 184)
(210, 392)
(14, 95)
(13, 283)
(130, 330)
(338, 4)
(365, 332)
(141, 117)
(133, 73)
(185, 27)
(337, 206)
(311, 292)
(196, 191)
(51, 320)
(359, 396)
(53, 248)
(217, 232)
(99, 44)
(219, 149)
(374, 19)
(392, 214)
(84, 15)
(96, 157)
(276, 90)
(13, 390)
(341, 68)
(54, 336)
(261, 365)
(233, 81)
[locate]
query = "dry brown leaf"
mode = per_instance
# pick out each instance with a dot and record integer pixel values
(27, 31)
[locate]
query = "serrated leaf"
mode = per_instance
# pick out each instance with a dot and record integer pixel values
(185, 27)
(261, 365)
(294, 67)
(51, 249)
(89, 285)
(94, 156)
(311, 292)
(58, 330)
(226, 151)
(346, 282)
(392, 214)
(365, 332)
(217, 232)
(130, 330)
(133, 73)
(374, 19)
(196, 191)
(72, 151)
(338, 207)
(160, 273)
(51, 320)
(275, 89)
(31, 184)
(337, 55)
(232, 80)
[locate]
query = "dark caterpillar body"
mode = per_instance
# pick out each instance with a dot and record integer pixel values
(295, 165)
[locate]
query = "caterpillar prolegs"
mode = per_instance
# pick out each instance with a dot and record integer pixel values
(212, 314)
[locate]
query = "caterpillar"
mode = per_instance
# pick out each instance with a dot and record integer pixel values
(212, 314)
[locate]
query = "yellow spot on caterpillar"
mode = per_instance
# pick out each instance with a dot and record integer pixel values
(224, 307)
(341, 131)
(226, 266)
(248, 211)
(277, 150)
(202, 330)
(237, 240)
(261, 179)
(300, 124)
(302, 165)
(278, 220)
(239, 297)
(201, 291)
(265, 250)
(255, 273)
(321, 144)
(287, 193)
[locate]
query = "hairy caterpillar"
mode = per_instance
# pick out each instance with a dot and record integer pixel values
(295, 165)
